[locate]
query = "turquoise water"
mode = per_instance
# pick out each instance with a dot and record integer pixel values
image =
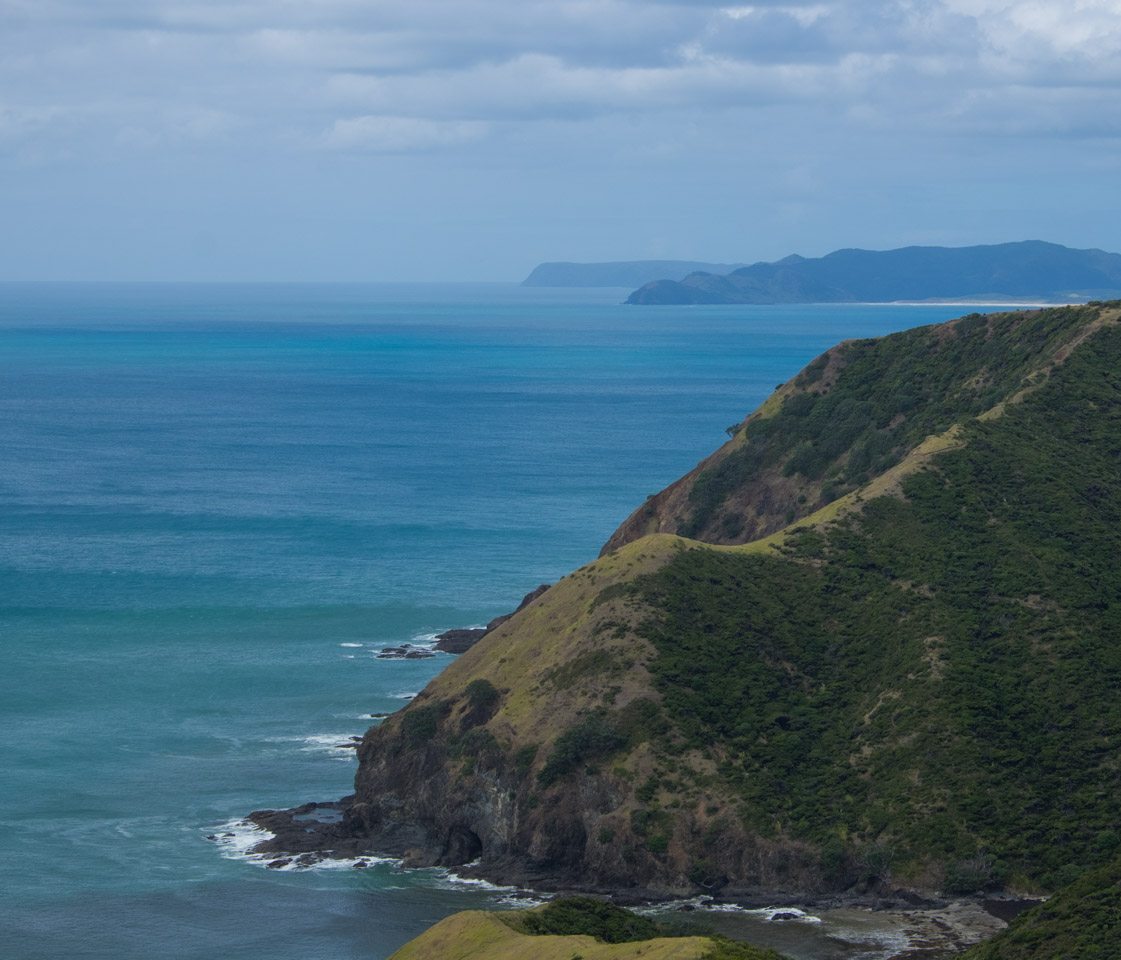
(220, 500)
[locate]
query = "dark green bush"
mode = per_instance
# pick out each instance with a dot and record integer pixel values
(420, 723)
(593, 737)
(588, 916)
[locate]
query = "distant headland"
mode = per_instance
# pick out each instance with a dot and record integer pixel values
(627, 273)
(1027, 271)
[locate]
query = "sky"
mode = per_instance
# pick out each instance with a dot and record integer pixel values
(402, 140)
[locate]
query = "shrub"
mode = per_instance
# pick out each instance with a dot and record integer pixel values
(594, 736)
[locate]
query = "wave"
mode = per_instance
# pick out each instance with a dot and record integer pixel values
(338, 746)
(776, 914)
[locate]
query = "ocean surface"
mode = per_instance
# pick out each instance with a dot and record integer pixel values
(218, 502)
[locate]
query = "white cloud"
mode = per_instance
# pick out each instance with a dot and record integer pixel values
(389, 134)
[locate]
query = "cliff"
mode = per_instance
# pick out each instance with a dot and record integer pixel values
(870, 643)
(1029, 270)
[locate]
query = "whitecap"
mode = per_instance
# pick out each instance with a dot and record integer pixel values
(784, 915)
(789, 914)
(350, 644)
(338, 746)
(237, 838)
(520, 901)
(447, 879)
(404, 696)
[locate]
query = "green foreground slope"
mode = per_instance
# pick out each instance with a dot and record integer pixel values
(574, 928)
(914, 682)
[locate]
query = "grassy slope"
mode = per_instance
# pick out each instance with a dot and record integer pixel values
(476, 935)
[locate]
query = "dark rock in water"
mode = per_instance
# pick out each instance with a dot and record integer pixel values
(309, 833)
(786, 916)
(405, 652)
(461, 640)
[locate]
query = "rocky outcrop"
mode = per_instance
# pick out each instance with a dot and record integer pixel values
(463, 639)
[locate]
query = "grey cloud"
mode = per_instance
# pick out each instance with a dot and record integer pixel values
(306, 67)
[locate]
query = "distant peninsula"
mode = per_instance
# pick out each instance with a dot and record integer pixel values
(1030, 270)
(627, 273)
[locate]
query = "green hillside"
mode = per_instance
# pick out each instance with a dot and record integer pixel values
(905, 675)
(1083, 922)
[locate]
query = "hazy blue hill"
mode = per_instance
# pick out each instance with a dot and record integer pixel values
(626, 273)
(1030, 269)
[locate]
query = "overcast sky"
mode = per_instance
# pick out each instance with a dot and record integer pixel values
(471, 139)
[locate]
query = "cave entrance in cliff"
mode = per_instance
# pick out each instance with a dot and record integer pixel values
(463, 845)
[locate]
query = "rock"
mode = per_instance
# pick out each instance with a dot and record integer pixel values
(459, 641)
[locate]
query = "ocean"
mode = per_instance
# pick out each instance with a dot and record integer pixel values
(220, 501)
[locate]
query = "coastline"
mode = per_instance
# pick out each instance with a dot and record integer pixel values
(904, 924)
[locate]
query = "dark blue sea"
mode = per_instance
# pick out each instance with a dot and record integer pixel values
(218, 502)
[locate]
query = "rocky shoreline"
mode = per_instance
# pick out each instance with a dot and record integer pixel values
(931, 927)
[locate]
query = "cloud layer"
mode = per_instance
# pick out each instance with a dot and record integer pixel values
(545, 82)
(320, 67)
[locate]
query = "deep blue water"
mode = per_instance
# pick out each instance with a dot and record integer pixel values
(218, 501)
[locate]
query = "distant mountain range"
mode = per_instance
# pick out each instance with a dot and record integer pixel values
(1029, 270)
(629, 273)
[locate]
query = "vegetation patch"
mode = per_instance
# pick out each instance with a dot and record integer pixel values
(593, 737)
(812, 668)
(889, 394)
(590, 916)
(1082, 922)
(420, 723)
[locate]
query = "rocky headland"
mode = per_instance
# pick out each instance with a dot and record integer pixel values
(865, 653)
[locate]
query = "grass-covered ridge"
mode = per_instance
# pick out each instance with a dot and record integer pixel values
(571, 928)
(853, 413)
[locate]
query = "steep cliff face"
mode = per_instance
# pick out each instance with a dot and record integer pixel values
(896, 663)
